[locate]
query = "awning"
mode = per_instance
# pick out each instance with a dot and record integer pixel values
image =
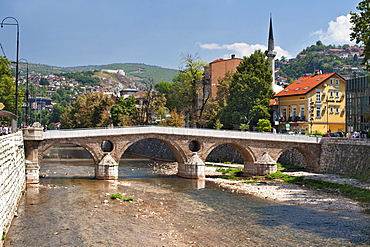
(8, 114)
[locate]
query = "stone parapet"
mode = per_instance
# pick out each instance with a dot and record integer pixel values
(34, 133)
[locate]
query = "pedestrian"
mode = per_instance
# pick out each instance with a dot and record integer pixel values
(5, 130)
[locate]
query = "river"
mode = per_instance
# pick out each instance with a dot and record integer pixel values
(70, 208)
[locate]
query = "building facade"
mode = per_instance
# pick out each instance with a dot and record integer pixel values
(217, 70)
(312, 104)
(358, 104)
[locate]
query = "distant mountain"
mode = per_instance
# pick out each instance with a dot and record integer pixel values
(135, 71)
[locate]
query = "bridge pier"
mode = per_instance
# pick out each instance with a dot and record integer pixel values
(107, 168)
(193, 168)
(33, 136)
(263, 166)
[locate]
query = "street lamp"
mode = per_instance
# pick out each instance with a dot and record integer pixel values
(27, 93)
(16, 60)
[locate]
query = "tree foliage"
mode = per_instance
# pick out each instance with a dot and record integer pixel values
(83, 77)
(186, 89)
(264, 125)
(124, 111)
(249, 91)
(175, 120)
(88, 111)
(360, 28)
(7, 86)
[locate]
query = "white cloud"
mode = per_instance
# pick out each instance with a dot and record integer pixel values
(243, 49)
(338, 31)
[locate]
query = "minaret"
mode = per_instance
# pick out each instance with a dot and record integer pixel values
(270, 53)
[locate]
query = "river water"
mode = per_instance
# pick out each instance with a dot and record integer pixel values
(70, 208)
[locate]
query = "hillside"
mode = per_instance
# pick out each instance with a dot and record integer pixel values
(342, 59)
(134, 71)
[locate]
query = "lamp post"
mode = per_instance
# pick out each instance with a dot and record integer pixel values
(16, 60)
(27, 92)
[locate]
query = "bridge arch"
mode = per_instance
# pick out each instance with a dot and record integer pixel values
(176, 148)
(46, 146)
(300, 152)
(246, 153)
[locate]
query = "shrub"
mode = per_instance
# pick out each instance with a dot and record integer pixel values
(116, 196)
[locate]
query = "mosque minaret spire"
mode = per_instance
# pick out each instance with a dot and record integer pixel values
(270, 53)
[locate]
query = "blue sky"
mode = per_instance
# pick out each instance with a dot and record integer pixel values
(156, 32)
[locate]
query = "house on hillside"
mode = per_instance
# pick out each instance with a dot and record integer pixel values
(312, 104)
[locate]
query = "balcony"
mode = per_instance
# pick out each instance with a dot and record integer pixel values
(296, 118)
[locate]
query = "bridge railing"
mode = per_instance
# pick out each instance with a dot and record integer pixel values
(75, 133)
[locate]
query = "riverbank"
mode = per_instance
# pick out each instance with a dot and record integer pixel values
(300, 195)
(290, 194)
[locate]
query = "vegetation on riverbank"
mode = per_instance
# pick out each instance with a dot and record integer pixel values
(344, 189)
(347, 190)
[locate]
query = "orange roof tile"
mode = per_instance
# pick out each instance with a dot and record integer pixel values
(304, 85)
(273, 102)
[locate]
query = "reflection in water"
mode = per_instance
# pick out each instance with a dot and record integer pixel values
(72, 209)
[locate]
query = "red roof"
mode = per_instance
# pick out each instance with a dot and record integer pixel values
(304, 85)
(273, 102)
(218, 60)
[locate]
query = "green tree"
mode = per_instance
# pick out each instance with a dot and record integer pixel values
(55, 114)
(360, 28)
(264, 125)
(7, 86)
(44, 82)
(88, 111)
(187, 88)
(124, 111)
(249, 91)
(164, 87)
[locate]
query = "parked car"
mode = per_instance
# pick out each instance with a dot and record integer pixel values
(334, 134)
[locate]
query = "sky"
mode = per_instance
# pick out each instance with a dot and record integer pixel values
(156, 32)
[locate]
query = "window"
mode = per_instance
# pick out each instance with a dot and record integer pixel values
(283, 115)
(331, 82)
(318, 112)
(337, 108)
(318, 97)
(331, 110)
(337, 93)
(337, 82)
(294, 112)
(331, 93)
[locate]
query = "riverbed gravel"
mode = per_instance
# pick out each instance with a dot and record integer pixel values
(297, 194)
(292, 194)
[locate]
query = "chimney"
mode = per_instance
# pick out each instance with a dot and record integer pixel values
(232, 56)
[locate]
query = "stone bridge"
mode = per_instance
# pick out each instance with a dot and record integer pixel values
(260, 151)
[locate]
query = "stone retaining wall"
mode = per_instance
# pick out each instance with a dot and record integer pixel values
(12, 177)
(350, 157)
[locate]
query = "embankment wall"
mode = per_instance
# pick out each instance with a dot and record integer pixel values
(349, 157)
(12, 177)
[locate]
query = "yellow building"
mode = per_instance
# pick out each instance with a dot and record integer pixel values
(312, 104)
